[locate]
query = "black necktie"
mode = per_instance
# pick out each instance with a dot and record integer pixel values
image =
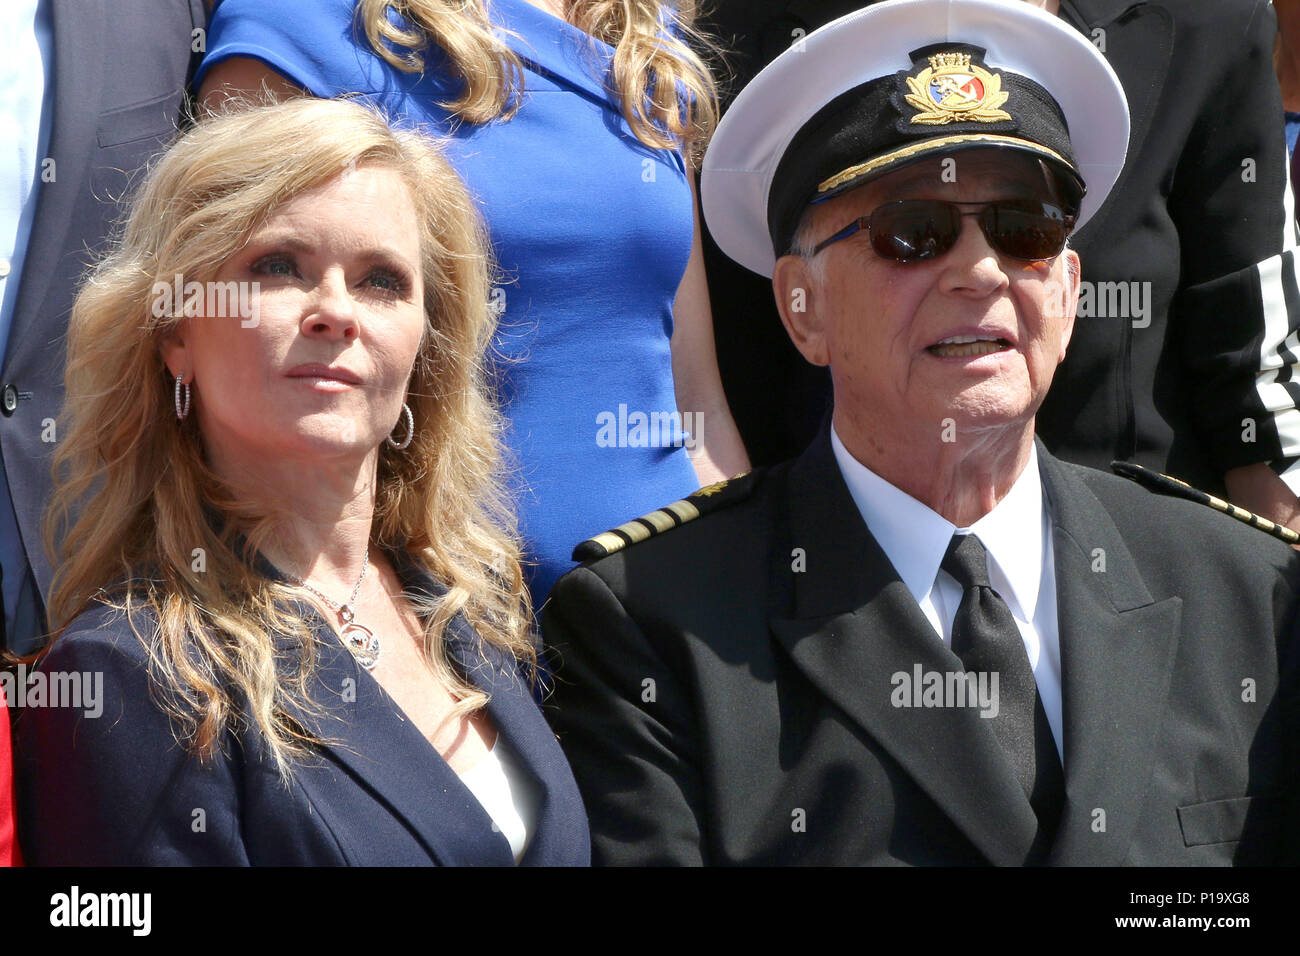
(986, 638)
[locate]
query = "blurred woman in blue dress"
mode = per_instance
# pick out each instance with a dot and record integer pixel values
(574, 123)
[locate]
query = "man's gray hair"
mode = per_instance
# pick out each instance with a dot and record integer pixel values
(1072, 267)
(804, 242)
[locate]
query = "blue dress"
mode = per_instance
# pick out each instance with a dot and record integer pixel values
(591, 230)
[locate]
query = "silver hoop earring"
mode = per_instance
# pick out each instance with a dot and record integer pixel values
(410, 429)
(182, 409)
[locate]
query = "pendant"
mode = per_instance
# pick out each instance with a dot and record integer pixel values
(360, 640)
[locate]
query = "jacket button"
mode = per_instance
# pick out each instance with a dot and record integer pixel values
(10, 400)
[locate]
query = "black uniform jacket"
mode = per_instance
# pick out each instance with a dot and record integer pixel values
(724, 688)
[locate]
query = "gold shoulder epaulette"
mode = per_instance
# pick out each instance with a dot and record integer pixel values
(708, 498)
(1180, 489)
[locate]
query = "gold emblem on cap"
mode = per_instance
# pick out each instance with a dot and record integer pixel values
(954, 90)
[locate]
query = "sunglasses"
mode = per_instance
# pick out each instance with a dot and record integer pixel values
(913, 230)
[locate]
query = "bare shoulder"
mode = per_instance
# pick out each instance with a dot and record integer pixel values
(243, 77)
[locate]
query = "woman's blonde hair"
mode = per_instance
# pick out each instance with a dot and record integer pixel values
(139, 481)
(665, 89)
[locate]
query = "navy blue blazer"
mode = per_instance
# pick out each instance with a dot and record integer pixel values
(117, 788)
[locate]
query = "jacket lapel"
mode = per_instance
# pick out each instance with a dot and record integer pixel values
(387, 754)
(519, 723)
(854, 626)
(1117, 654)
(78, 64)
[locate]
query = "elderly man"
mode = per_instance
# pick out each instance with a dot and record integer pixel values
(927, 640)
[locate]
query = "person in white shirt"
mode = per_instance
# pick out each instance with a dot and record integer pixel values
(927, 640)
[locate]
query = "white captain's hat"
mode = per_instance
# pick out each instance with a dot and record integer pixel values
(902, 81)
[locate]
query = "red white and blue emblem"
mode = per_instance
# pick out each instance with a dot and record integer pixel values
(954, 90)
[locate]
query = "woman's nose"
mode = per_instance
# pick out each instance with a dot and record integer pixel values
(333, 310)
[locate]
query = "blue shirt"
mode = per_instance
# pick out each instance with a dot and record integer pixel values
(591, 230)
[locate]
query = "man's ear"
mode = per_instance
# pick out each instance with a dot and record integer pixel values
(798, 299)
(1070, 298)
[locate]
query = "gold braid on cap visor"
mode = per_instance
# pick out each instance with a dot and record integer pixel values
(916, 149)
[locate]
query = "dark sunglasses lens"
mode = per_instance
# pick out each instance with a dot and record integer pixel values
(913, 230)
(1025, 229)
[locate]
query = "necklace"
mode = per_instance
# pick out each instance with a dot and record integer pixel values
(357, 638)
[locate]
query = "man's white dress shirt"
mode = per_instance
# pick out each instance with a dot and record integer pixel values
(1022, 568)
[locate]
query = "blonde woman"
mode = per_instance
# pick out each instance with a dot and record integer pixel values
(290, 563)
(574, 123)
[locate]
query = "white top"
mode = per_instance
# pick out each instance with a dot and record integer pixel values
(1022, 564)
(507, 793)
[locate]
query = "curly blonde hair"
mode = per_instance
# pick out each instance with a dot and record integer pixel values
(140, 487)
(665, 89)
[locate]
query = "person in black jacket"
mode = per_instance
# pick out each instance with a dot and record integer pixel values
(1185, 353)
(928, 640)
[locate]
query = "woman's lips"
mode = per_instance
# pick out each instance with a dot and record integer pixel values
(321, 374)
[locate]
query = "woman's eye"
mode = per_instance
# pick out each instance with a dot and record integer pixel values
(276, 265)
(387, 282)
